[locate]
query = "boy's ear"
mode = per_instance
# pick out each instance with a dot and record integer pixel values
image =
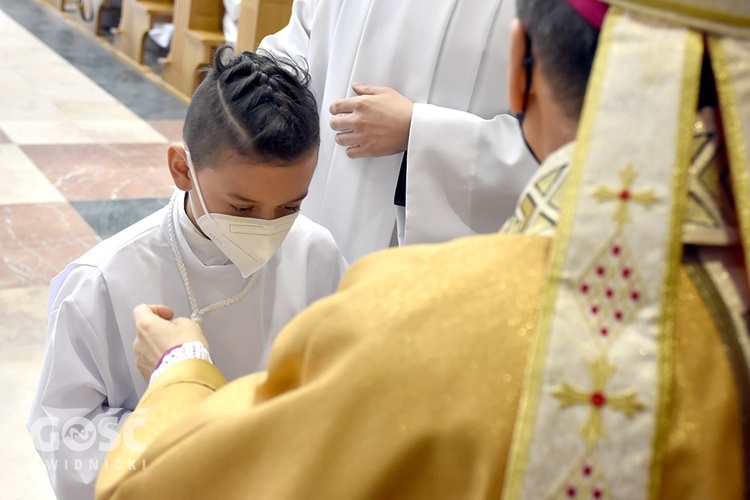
(178, 167)
(516, 70)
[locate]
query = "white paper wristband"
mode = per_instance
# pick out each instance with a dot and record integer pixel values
(188, 350)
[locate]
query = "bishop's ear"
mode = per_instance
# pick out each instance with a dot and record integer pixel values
(178, 167)
(517, 71)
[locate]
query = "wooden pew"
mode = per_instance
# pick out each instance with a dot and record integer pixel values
(107, 15)
(137, 18)
(57, 4)
(259, 18)
(198, 32)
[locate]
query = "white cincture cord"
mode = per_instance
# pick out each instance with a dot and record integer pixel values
(197, 314)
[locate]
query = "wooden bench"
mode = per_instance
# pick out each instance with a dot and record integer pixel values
(104, 13)
(57, 4)
(259, 18)
(137, 18)
(198, 31)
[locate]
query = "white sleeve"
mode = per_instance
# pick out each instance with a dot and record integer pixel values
(70, 421)
(294, 39)
(464, 173)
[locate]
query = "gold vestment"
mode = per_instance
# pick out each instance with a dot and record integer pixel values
(405, 384)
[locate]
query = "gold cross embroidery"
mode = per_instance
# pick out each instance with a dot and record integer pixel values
(598, 399)
(625, 194)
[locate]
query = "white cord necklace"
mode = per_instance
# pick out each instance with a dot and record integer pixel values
(197, 314)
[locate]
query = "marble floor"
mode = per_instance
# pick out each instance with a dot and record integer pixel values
(83, 141)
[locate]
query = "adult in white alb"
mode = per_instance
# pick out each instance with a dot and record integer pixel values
(230, 20)
(215, 253)
(466, 159)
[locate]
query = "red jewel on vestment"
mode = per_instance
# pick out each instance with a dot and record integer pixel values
(626, 272)
(586, 470)
(600, 270)
(598, 399)
(624, 195)
(571, 491)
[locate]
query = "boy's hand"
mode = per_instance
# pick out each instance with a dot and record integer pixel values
(157, 332)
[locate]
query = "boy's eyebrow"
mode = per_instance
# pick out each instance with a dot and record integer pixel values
(241, 198)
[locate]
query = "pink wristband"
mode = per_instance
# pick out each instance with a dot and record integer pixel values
(165, 354)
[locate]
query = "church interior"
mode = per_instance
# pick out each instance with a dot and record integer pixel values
(84, 126)
(94, 92)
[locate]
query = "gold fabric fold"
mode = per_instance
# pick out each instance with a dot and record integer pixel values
(370, 395)
(727, 17)
(731, 62)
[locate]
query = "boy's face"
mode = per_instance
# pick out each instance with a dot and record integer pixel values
(240, 187)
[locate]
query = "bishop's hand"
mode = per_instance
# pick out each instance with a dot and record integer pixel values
(157, 333)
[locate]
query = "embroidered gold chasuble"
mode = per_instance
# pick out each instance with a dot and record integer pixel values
(600, 352)
(406, 384)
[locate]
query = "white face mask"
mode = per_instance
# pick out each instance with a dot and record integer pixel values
(248, 243)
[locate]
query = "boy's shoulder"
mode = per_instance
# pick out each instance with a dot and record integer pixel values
(308, 242)
(141, 232)
(119, 253)
(305, 230)
(146, 232)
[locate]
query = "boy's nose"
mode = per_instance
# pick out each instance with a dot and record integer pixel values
(266, 213)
